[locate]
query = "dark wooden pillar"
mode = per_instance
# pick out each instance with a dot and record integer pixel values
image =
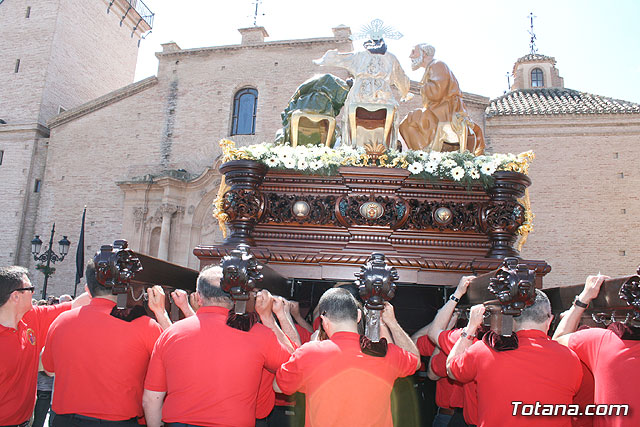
(503, 214)
(243, 202)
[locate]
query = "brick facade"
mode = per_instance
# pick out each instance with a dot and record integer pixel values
(144, 157)
(70, 52)
(583, 192)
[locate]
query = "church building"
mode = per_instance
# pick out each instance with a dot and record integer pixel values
(143, 156)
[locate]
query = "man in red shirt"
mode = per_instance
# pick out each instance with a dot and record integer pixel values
(204, 372)
(524, 385)
(277, 409)
(344, 386)
(22, 334)
(613, 360)
(99, 360)
(449, 393)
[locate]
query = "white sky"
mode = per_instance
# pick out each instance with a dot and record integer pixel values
(596, 43)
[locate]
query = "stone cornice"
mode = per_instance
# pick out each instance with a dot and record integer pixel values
(103, 101)
(260, 45)
(25, 127)
(169, 178)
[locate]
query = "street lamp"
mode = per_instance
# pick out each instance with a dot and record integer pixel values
(48, 256)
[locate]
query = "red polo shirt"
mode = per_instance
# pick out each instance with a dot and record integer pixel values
(343, 386)
(266, 395)
(583, 398)
(287, 399)
(425, 346)
(447, 393)
(615, 364)
(19, 353)
(210, 371)
(446, 341)
(539, 370)
(305, 336)
(99, 360)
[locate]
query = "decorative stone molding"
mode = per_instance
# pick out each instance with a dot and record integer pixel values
(139, 215)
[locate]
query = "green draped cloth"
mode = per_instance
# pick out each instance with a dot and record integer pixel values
(324, 94)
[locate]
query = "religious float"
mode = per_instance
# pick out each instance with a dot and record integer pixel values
(314, 205)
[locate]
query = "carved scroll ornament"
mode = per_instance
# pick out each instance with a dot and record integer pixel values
(376, 284)
(240, 273)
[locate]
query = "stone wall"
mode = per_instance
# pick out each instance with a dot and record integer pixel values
(29, 40)
(172, 122)
(584, 193)
(24, 150)
(91, 55)
(70, 52)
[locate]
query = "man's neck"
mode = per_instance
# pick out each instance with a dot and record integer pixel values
(343, 327)
(226, 305)
(531, 326)
(9, 316)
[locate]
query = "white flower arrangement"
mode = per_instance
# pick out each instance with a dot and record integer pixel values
(430, 165)
(457, 173)
(449, 163)
(415, 168)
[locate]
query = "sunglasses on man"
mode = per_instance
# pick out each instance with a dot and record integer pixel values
(29, 288)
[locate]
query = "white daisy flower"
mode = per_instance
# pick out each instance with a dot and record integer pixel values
(488, 168)
(474, 174)
(289, 163)
(315, 165)
(415, 168)
(435, 156)
(302, 164)
(283, 152)
(422, 155)
(457, 173)
(272, 161)
(257, 150)
(431, 167)
(449, 163)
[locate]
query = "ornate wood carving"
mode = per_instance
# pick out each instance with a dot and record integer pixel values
(630, 293)
(243, 202)
(380, 211)
(376, 284)
(280, 209)
(240, 273)
(425, 215)
(292, 219)
(504, 214)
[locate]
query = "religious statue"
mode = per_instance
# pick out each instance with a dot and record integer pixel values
(443, 123)
(316, 102)
(370, 103)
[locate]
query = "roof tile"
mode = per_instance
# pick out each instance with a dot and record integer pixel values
(557, 101)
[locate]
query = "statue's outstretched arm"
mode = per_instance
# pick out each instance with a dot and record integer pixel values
(334, 58)
(400, 80)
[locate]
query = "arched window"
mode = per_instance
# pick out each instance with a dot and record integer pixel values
(244, 112)
(537, 78)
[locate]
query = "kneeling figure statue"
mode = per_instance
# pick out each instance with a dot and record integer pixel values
(443, 123)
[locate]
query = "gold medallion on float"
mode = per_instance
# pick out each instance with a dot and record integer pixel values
(301, 209)
(443, 215)
(371, 210)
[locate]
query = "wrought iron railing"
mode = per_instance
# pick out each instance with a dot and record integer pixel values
(141, 9)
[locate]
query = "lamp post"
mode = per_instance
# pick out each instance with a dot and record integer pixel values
(48, 256)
